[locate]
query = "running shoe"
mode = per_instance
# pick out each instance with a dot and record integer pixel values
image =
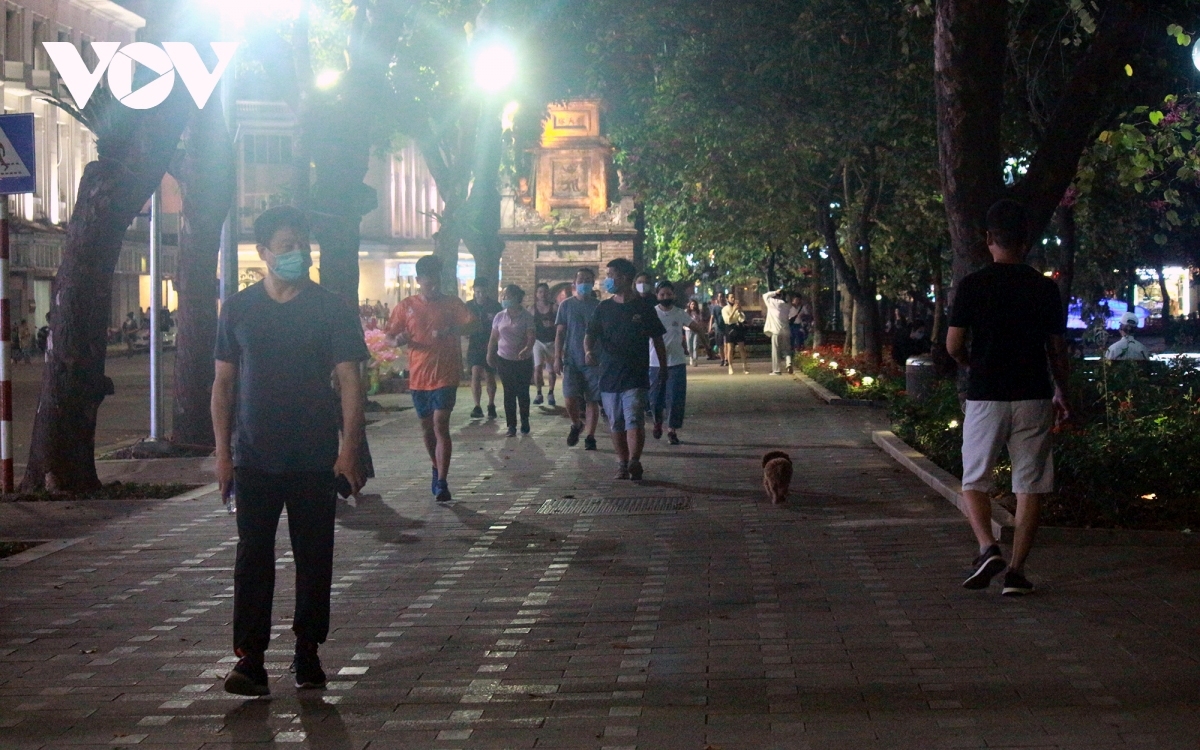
(635, 471)
(248, 677)
(672, 438)
(524, 426)
(537, 400)
(477, 413)
(657, 430)
(986, 566)
(550, 399)
(491, 411)
(1016, 584)
(306, 665)
(622, 471)
(443, 493)
(433, 486)
(589, 443)
(512, 432)
(573, 435)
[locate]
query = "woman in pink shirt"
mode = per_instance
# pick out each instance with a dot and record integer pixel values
(510, 352)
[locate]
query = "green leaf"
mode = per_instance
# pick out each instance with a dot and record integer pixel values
(1129, 70)
(1174, 30)
(1156, 117)
(1160, 239)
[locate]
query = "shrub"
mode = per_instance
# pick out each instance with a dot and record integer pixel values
(851, 377)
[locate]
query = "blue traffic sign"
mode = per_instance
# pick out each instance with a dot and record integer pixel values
(18, 173)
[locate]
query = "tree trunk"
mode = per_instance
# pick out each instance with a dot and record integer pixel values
(970, 46)
(969, 53)
(814, 302)
(1070, 246)
(135, 152)
(208, 181)
(1166, 294)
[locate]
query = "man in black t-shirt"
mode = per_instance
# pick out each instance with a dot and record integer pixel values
(616, 341)
(276, 418)
(1016, 389)
(484, 309)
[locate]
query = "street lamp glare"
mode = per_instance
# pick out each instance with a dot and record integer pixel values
(495, 68)
(1196, 54)
(327, 79)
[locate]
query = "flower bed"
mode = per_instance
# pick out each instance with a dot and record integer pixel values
(851, 377)
(1130, 458)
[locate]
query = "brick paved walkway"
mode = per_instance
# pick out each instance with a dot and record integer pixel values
(836, 621)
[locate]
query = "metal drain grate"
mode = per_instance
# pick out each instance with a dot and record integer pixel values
(616, 506)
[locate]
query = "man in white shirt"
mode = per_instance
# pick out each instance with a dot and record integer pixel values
(778, 330)
(668, 387)
(1128, 348)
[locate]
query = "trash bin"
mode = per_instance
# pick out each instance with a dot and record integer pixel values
(919, 377)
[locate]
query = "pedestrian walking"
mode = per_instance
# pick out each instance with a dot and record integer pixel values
(430, 324)
(696, 339)
(616, 342)
(483, 309)
(24, 341)
(545, 314)
(580, 381)
(280, 344)
(796, 326)
(668, 385)
(1016, 388)
(777, 328)
(1128, 347)
(717, 328)
(735, 332)
(643, 284)
(510, 353)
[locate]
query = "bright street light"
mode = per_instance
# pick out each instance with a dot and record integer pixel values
(327, 79)
(495, 68)
(1196, 54)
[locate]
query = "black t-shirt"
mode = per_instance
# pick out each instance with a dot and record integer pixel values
(484, 314)
(544, 328)
(288, 414)
(1009, 309)
(622, 332)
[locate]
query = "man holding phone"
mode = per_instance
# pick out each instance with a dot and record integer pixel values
(281, 345)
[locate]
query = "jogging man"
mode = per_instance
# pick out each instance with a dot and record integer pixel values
(616, 342)
(1017, 388)
(581, 382)
(278, 344)
(430, 324)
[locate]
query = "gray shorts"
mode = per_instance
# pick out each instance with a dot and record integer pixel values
(581, 382)
(1024, 427)
(626, 410)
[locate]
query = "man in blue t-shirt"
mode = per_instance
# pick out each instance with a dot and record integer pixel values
(1016, 388)
(616, 341)
(276, 419)
(581, 383)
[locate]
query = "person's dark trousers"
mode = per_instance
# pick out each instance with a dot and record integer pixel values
(668, 396)
(311, 501)
(515, 377)
(798, 336)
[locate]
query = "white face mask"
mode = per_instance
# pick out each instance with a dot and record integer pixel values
(641, 287)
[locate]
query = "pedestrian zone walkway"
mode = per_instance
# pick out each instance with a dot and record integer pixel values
(551, 606)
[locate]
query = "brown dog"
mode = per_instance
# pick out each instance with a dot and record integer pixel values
(777, 475)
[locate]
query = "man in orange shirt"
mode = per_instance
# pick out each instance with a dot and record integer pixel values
(430, 324)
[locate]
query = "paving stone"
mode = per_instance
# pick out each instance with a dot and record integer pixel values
(833, 621)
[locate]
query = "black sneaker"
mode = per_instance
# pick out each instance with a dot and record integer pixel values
(443, 493)
(433, 486)
(635, 471)
(477, 413)
(491, 411)
(524, 427)
(306, 665)
(512, 432)
(986, 566)
(1016, 584)
(537, 401)
(550, 399)
(248, 677)
(622, 471)
(672, 438)
(657, 430)
(589, 443)
(573, 435)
